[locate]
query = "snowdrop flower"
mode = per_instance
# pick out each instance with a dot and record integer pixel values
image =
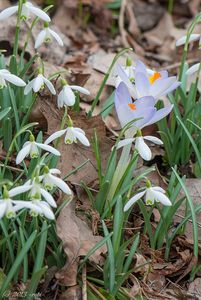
(193, 69)
(156, 85)
(193, 37)
(9, 207)
(151, 195)
(38, 83)
(129, 70)
(142, 109)
(72, 134)
(67, 96)
(42, 208)
(27, 8)
(31, 148)
(50, 180)
(46, 35)
(5, 75)
(140, 145)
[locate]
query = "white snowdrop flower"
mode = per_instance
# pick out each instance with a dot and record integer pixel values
(72, 134)
(9, 207)
(5, 75)
(151, 194)
(38, 83)
(42, 208)
(46, 35)
(140, 145)
(193, 37)
(27, 9)
(193, 69)
(50, 180)
(37, 192)
(31, 148)
(67, 96)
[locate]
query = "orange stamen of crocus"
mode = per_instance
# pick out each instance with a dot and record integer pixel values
(132, 106)
(154, 77)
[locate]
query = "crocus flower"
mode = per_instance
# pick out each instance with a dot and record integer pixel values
(50, 180)
(67, 96)
(72, 134)
(127, 110)
(5, 75)
(151, 194)
(38, 83)
(31, 148)
(46, 35)
(27, 8)
(193, 37)
(9, 207)
(156, 85)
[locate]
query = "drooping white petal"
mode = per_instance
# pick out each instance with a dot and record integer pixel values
(23, 153)
(3, 207)
(158, 189)
(54, 136)
(38, 83)
(48, 197)
(46, 210)
(153, 139)
(143, 149)
(70, 137)
(161, 197)
(6, 13)
(14, 79)
(125, 142)
(49, 85)
(40, 38)
(182, 40)
(80, 89)
(61, 184)
(27, 204)
(19, 190)
(193, 69)
(54, 171)
(39, 13)
(68, 96)
(56, 36)
(133, 200)
(48, 149)
(28, 87)
(81, 137)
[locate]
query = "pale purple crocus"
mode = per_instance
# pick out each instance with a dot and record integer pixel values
(147, 83)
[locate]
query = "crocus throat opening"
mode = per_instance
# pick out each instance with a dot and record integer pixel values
(132, 106)
(154, 77)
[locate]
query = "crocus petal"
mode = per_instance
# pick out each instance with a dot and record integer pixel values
(80, 89)
(48, 197)
(39, 13)
(6, 13)
(49, 85)
(81, 137)
(160, 114)
(23, 153)
(28, 87)
(125, 142)
(153, 139)
(38, 82)
(3, 207)
(133, 200)
(56, 36)
(182, 40)
(159, 87)
(142, 85)
(19, 190)
(122, 96)
(143, 149)
(141, 68)
(14, 79)
(61, 184)
(48, 149)
(40, 38)
(162, 198)
(54, 136)
(173, 87)
(193, 69)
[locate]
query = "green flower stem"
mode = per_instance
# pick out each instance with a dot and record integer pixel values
(17, 32)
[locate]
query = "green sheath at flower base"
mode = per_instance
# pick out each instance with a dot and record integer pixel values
(128, 62)
(5, 193)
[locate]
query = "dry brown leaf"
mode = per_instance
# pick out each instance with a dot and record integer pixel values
(77, 240)
(72, 293)
(195, 288)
